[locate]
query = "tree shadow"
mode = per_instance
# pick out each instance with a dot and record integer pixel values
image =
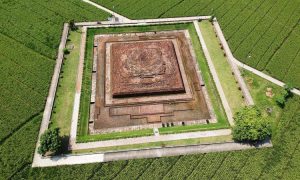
(64, 145)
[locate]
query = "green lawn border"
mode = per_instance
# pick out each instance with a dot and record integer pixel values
(82, 133)
(224, 70)
(64, 100)
(114, 135)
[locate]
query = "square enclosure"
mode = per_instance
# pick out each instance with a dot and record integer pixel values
(143, 68)
(144, 80)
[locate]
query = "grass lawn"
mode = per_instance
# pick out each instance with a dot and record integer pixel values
(86, 90)
(206, 140)
(258, 88)
(223, 68)
(63, 105)
(268, 106)
(115, 135)
(192, 128)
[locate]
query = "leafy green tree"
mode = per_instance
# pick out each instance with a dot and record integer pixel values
(284, 95)
(72, 25)
(50, 142)
(251, 126)
(288, 88)
(280, 100)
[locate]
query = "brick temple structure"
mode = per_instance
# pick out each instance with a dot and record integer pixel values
(145, 80)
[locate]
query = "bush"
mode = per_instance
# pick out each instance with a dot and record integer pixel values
(211, 19)
(251, 126)
(50, 142)
(66, 51)
(72, 25)
(284, 95)
(280, 100)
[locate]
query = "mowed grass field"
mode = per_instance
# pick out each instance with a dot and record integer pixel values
(223, 68)
(65, 94)
(264, 34)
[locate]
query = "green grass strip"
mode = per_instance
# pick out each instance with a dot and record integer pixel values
(227, 79)
(63, 105)
(183, 142)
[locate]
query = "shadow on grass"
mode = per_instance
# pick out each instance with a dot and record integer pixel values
(256, 144)
(65, 144)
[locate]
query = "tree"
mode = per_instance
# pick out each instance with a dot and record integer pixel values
(211, 19)
(284, 95)
(72, 25)
(280, 100)
(50, 142)
(288, 88)
(251, 126)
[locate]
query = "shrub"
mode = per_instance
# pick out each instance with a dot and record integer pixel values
(251, 126)
(284, 95)
(288, 88)
(280, 100)
(72, 25)
(66, 51)
(50, 142)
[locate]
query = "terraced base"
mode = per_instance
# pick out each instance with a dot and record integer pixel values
(145, 80)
